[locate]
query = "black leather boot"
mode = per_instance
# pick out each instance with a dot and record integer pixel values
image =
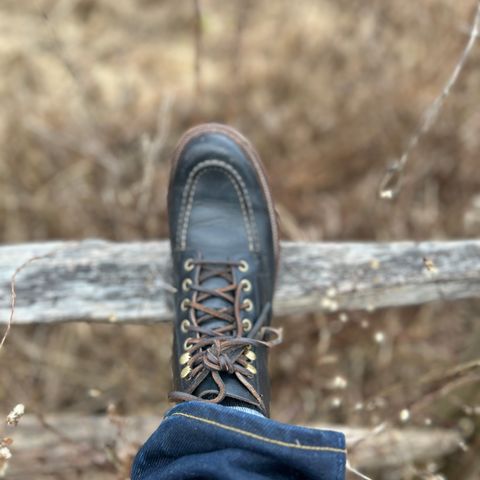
(225, 249)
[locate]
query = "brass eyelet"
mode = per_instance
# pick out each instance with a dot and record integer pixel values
(184, 358)
(188, 265)
(184, 325)
(247, 324)
(186, 284)
(185, 305)
(185, 372)
(251, 368)
(187, 345)
(248, 305)
(243, 267)
(251, 355)
(246, 285)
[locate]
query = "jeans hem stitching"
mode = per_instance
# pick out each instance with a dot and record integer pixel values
(260, 437)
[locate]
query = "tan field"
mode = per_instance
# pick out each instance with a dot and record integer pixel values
(94, 95)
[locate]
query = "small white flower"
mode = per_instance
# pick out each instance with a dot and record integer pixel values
(388, 194)
(16, 414)
(339, 383)
(329, 304)
(336, 402)
(5, 453)
(331, 292)
(379, 337)
(404, 415)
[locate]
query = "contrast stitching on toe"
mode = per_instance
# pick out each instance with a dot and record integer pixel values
(252, 156)
(242, 191)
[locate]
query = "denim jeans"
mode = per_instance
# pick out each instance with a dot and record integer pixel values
(198, 440)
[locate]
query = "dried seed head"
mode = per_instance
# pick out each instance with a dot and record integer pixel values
(329, 304)
(94, 392)
(338, 383)
(429, 266)
(5, 453)
(404, 415)
(331, 292)
(336, 402)
(5, 456)
(16, 414)
(379, 337)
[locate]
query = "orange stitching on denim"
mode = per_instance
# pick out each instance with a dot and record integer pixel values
(263, 439)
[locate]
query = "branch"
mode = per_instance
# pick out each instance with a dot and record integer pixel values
(390, 184)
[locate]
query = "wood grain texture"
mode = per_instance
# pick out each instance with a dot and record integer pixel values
(99, 281)
(79, 443)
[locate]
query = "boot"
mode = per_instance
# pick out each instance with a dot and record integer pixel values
(225, 250)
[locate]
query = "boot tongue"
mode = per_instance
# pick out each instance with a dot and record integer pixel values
(215, 303)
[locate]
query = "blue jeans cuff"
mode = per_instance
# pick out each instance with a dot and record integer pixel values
(198, 440)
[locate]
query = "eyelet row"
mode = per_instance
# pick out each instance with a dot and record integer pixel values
(184, 325)
(247, 324)
(246, 285)
(251, 357)
(248, 305)
(188, 266)
(185, 305)
(186, 284)
(185, 357)
(243, 266)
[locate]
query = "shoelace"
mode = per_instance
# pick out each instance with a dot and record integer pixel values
(226, 347)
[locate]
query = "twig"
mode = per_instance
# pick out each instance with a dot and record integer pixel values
(51, 428)
(152, 151)
(443, 384)
(243, 9)
(439, 382)
(438, 385)
(13, 296)
(380, 428)
(390, 184)
(356, 472)
(198, 46)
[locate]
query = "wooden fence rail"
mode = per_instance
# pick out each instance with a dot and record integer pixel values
(74, 443)
(101, 281)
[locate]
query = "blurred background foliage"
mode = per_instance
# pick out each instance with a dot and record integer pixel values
(95, 93)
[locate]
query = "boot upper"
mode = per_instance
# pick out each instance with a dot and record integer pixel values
(225, 248)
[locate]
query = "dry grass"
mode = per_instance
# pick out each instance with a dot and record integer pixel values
(94, 95)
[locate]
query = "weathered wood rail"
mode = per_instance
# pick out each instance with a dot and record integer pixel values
(77, 441)
(101, 281)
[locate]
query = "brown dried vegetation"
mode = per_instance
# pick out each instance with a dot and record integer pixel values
(94, 95)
